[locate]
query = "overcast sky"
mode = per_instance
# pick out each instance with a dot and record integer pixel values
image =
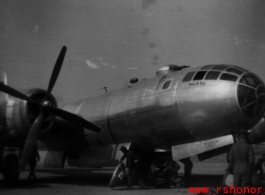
(110, 41)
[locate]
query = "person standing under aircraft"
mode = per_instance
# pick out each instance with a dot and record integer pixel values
(187, 171)
(32, 163)
(144, 149)
(241, 156)
(133, 165)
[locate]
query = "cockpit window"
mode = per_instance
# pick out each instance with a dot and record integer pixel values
(242, 69)
(228, 77)
(233, 70)
(207, 67)
(246, 95)
(251, 95)
(249, 80)
(188, 76)
(199, 75)
(166, 85)
(246, 99)
(220, 67)
(212, 75)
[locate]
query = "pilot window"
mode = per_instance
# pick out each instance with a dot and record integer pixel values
(246, 95)
(228, 77)
(207, 67)
(233, 70)
(199, 75)
(220, 67)
(212, 75)
(188, 76)
(249, 80)
(166, 85)
(242, 69)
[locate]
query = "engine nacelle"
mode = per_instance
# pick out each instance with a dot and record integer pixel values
(20, 114)
(257, 133)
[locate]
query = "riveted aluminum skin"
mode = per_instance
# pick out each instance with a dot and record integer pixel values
(171, 111)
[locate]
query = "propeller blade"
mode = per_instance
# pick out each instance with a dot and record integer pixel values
(3, 79)
(56, 70)
(15, 93)
(72, 118)
(30, 143)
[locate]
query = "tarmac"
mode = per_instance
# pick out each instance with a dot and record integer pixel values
(95, 181)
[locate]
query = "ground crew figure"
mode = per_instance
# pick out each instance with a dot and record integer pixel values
(133, 165)
(241, 157)
(187, 171)
(259, 164)
(144, 149)
(32, 163)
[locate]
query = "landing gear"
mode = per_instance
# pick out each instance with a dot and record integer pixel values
(11, 169)
(164, 173)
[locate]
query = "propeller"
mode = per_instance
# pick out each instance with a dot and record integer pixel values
(45, 106)
(15, 93)
(30, 143)
(56, 70)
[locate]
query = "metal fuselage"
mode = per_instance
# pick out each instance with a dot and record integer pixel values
(175, 108)
(178, 107)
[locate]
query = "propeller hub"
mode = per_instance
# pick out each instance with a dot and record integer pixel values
(46, 104)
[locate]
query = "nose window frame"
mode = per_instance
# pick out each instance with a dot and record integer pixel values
(199, 75)
(188, 77)
(212, 75)
(228, 77)
(249, 80)
(251, 95)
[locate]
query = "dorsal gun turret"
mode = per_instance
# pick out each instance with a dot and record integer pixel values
(170, 68)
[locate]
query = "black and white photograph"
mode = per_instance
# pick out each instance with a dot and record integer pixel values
(132, 97)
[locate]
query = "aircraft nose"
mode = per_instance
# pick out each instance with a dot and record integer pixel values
(251, 95)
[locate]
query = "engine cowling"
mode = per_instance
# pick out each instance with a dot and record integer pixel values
(20, 114)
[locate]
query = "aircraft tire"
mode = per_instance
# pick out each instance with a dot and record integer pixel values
(11, 169)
